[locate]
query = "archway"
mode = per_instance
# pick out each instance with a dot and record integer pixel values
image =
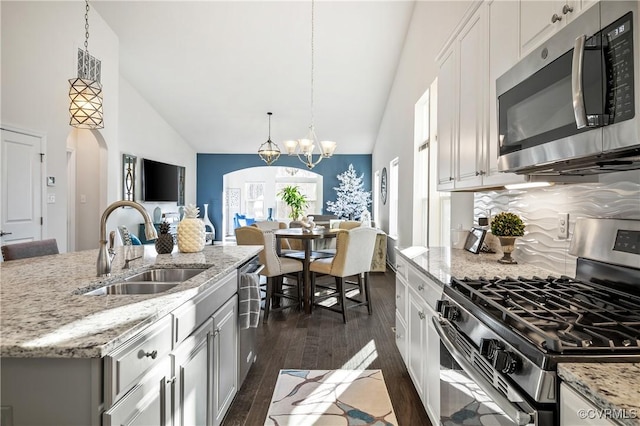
(253, 191)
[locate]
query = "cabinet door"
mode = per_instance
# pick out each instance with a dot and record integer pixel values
(503, 54)
(446, 120)
(574, 408)
(401, 336)
(472, 47)
(148, 403)
(416, 323)
(225, 358)
(535, 22)
(432, 369)
(192, 396)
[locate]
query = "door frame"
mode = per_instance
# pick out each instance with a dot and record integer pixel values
(43, 169)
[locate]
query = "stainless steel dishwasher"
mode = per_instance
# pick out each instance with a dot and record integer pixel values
(247, 353)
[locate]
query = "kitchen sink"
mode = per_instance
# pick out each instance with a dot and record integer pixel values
(148, 282)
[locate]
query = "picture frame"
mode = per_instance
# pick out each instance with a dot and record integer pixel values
(129, 177)
(383, 185)
(475, 239)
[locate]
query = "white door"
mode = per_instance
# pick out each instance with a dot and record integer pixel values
(21, 210)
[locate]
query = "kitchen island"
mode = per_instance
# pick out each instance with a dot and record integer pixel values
(67, 346)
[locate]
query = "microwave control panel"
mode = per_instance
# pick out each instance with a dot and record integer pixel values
(617, 41)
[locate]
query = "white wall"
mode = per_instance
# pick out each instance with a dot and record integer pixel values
(431, 24)
(39, 47)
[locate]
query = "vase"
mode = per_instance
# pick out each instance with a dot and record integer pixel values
(508, 245)
(270, 214)
(211, 232)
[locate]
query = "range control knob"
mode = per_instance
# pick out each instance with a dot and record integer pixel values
(506, 362)
(451, 313)
(489, 347)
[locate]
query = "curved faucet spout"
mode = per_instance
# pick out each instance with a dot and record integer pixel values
(103, 265)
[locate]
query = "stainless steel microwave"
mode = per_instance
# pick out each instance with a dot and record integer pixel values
(569, 107)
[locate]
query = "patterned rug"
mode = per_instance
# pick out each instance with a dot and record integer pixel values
(330, 398)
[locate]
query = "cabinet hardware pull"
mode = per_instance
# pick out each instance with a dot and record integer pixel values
(421, 315)
(567, 9)
(398, 336)
(398, 296)
(420, 287)
(152, 354)
(450, 178)
(555, 18)
(216, 332)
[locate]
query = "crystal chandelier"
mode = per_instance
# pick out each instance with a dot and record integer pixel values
(305, 148)
(269, 151)
(86, 90)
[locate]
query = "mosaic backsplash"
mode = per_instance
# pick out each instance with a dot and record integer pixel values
(540, 207)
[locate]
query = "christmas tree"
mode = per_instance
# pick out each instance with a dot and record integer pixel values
(352, 200)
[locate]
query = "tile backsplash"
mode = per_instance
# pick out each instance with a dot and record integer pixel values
(540, 208)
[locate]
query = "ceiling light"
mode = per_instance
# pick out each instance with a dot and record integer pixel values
(86, 90)
(269, 151)
(305, 148)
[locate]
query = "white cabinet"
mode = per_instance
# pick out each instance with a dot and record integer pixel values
(192, 399)
(539, 20)
(576, 410)
(416, 336)
(225, 358)
(482, 47)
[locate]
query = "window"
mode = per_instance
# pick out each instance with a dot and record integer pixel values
(310, 185)
(254, 206)
(376, 199)
(421, 171)
(393, 198)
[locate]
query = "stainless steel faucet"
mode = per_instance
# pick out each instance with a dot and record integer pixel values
(105, 256)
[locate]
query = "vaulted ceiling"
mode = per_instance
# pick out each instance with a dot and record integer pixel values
(213, 69)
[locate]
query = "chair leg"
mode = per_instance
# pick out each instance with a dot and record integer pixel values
(341, 298)
(267, 299)
(367, 292)
(300, 291)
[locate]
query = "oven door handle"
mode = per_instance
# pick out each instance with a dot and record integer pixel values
(514, 413)
(577, 91)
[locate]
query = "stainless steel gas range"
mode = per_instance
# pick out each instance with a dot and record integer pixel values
(502, 338)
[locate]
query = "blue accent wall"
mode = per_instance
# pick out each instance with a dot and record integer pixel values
(212, 167)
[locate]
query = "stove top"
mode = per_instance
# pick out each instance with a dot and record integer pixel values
(560, 315)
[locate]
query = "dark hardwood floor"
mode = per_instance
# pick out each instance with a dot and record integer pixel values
(321, 341)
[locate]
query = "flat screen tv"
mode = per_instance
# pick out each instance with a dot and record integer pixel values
(160, 181)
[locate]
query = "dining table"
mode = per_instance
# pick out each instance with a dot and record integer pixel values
(307, 236)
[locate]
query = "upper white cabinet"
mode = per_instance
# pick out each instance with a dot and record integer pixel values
(484, 45)
(541, 19)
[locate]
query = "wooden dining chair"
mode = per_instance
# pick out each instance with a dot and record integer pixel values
(354, 249)
(275, 268)
(29, 249)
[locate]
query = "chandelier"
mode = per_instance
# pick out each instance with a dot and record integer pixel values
(306, 148)
(269, 151)
(86, 90)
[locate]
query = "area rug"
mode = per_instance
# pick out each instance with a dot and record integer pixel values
(330, 398)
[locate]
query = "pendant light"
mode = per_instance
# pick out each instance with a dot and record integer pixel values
(269, 151)
(305, 148)
(86, 90)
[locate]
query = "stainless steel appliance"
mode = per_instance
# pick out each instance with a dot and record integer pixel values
(502, 339)
(569, 106)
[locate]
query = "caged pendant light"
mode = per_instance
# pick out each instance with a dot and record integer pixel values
(86, 90)
(304, 148)
(269, 151)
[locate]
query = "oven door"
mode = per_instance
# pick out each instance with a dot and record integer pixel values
(466, 394)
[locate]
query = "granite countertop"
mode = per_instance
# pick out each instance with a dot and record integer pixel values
(43, 312)
(609, 386)
(442, 263)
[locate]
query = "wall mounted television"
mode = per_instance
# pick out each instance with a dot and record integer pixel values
(162, 181)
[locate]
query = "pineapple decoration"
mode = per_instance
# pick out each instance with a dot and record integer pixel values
(191, 231)
(164, 242)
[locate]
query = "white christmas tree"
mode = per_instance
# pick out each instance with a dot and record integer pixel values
(352, 199)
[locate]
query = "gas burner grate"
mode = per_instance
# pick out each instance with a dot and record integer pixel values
(559, 314)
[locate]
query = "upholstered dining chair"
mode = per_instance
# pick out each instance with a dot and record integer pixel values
(354, 249)
(267, 225)
(275, 267)
(29, 249)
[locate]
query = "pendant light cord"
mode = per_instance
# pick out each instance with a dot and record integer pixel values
(312, 54)
(85, 65)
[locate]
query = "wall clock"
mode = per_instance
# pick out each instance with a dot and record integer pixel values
(383, 185)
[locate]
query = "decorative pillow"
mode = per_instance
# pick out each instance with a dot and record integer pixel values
(125, 235)
(135, 240)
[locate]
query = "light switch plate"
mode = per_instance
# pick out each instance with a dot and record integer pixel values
(563, 226)
(51, 198)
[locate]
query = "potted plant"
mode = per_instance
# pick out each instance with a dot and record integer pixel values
(292, 197)
(507, 227)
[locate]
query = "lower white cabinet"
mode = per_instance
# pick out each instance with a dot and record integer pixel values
(417, 338)
(576, 410)
(193, 378)
(225, 358)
